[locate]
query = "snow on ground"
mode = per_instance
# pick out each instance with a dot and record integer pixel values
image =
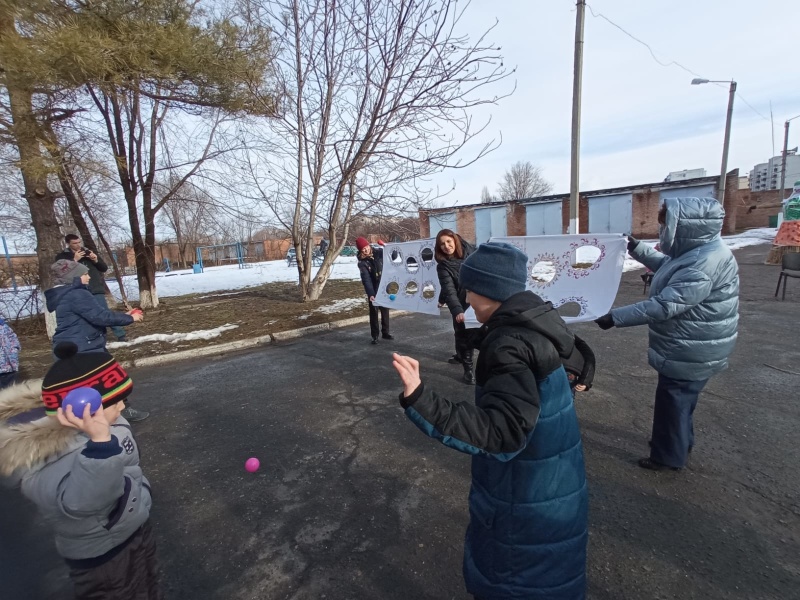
(174, 338)
(230, 277)
(341, 306)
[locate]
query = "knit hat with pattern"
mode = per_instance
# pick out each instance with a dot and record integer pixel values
(72, 370)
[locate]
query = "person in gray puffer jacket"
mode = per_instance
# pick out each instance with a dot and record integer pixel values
(693, 315)
(83, 474)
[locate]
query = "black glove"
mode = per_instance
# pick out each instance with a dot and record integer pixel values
(632, 243)
(605, 322)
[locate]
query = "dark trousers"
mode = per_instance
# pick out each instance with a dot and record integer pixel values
(373, 320)
(118, 331)
(673, 431)
(7, 379)
(463, 349)
(132, 574)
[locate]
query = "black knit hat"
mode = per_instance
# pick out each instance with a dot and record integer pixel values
(98, 370)
(495, 270)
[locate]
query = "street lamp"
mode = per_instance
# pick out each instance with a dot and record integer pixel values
(726, 143)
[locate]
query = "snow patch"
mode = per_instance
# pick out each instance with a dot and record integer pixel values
(174, 338)
(341, 306)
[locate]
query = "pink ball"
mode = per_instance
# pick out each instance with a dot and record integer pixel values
(252, 465)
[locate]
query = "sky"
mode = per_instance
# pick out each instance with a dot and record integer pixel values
(640, 120)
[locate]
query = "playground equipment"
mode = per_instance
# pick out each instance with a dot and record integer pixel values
(220, 254)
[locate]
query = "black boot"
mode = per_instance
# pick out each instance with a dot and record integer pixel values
(469, 371)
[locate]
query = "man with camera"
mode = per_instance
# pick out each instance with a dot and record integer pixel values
(79, 253)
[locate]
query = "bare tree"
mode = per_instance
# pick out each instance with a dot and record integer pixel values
(523, 180)
(191, 215)
(377, 95)
(486, 197)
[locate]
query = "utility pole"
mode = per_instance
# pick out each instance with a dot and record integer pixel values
(785, 152)
(783, 157)
(726, 144)
(574, 187)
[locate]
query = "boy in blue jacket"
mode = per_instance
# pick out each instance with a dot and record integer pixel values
(528, 502)
(79, 318)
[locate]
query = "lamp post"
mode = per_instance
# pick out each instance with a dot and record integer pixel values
(726, 143)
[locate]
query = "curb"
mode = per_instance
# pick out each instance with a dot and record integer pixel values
(221, 349)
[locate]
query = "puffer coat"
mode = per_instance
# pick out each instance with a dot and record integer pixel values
(528, 502)
(93, 494)
(79, 318)
(693, 308)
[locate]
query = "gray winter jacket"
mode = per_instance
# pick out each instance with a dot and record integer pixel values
(93, 495)
(693, 309)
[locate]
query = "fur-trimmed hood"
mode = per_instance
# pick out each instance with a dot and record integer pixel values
(28, 438)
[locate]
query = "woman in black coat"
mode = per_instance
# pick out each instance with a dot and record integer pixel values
(451, 250)
(370, 265)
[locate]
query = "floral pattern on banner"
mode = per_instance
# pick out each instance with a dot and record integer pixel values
(431, 286)
(551, 258)
(577, 273)
(579, 300)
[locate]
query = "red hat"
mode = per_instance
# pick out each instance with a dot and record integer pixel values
(361, 243)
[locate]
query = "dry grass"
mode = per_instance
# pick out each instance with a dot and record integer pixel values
(256, 311)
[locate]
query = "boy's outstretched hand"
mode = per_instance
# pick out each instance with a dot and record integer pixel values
(95, 425)
(408, 369)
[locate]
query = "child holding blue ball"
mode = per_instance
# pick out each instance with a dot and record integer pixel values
(83, 474)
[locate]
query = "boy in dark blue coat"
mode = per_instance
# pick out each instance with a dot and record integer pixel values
(79, 318)
(528, 502)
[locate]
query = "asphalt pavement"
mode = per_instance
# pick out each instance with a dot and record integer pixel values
(353, 502)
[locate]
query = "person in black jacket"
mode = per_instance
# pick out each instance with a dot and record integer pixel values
(528, 503)
(77, 252)
(370, 264)
(451, 250)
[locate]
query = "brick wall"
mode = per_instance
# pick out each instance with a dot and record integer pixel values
(424, 225)
(515, 220)
(583, 215)
(465, 223)
(753, 209)
(644, 220)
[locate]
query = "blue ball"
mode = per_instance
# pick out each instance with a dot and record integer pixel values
(392, 297)
(79, 398)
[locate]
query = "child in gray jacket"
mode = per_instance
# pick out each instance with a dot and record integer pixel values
(82, 472)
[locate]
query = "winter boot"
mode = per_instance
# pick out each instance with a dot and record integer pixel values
(469, 371)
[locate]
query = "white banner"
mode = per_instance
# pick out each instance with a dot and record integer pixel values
(579, 274)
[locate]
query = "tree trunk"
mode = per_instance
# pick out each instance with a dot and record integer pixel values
(34, 167)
